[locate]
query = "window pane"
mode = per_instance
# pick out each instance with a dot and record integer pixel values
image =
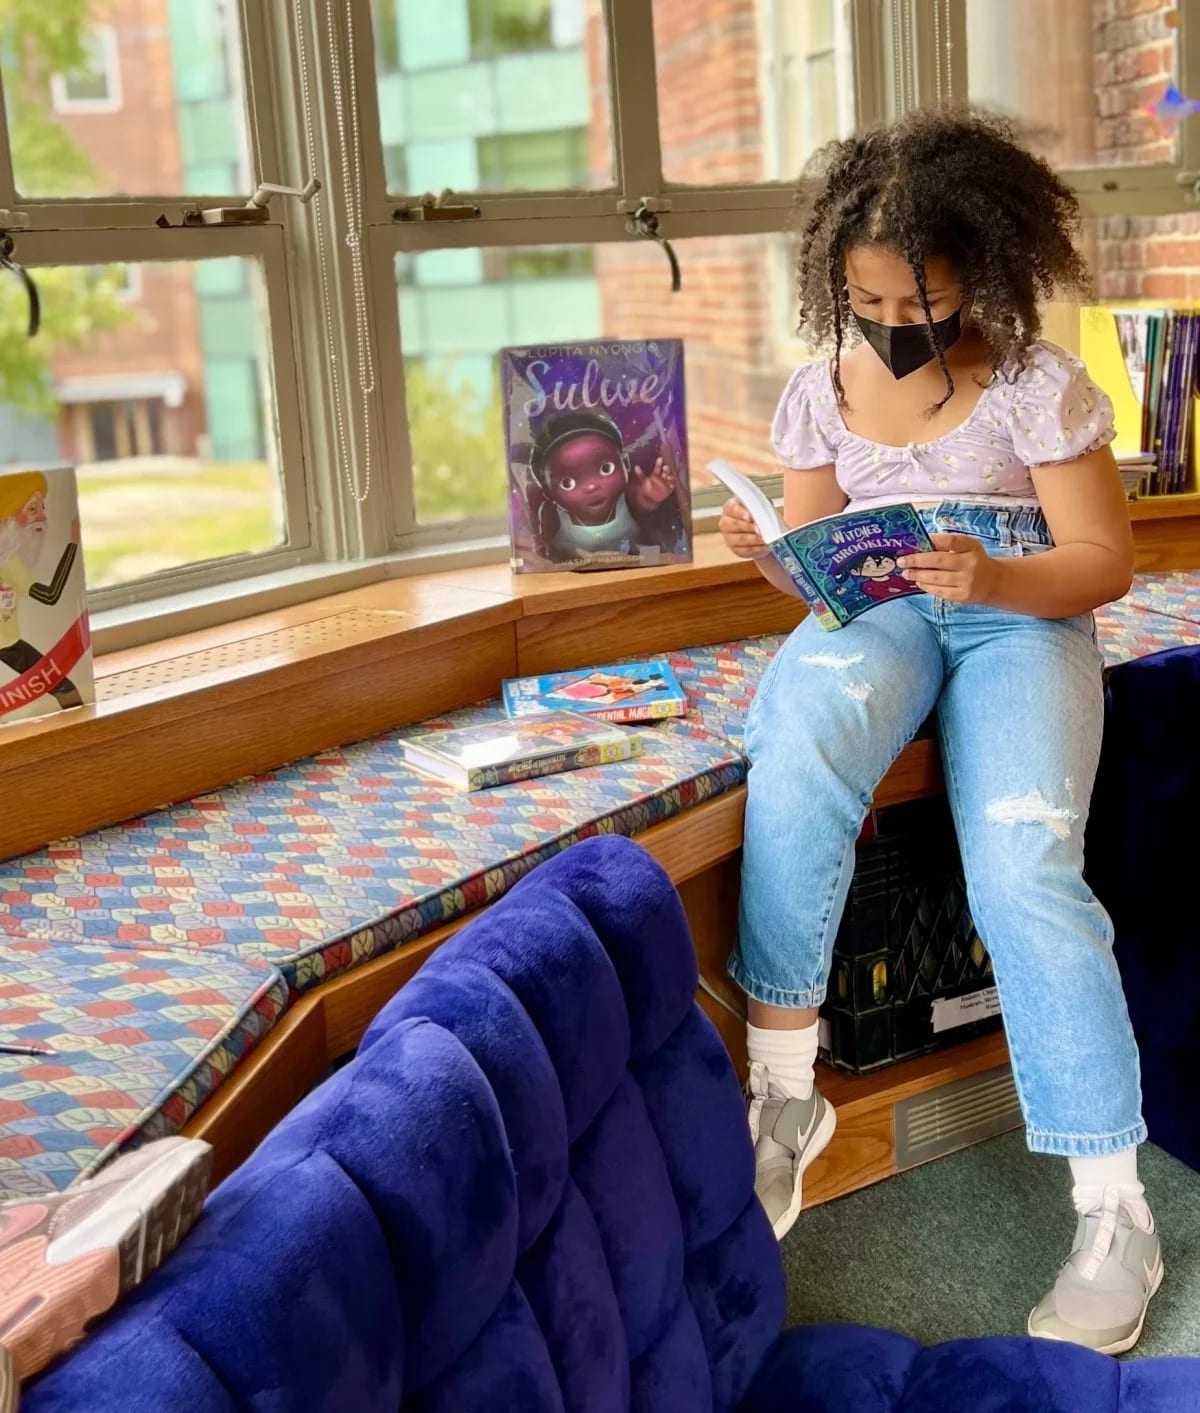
(117, 97)
(1088, 72)
(154, 380)
(734, 313)
(748, 93)
(493, 95)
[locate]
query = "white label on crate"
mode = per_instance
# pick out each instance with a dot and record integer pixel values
(962, 1010)
(824, 1035)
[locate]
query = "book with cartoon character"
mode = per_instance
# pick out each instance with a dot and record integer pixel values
(628, 691)
(843, 564)
(502, 752)
(597, 455)
(45, 645)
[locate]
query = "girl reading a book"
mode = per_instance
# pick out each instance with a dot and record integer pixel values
(927, 246)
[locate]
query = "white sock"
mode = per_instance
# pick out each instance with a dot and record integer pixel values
(789, 1056)
(1093, 1175)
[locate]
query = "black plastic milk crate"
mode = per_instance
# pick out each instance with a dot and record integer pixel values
(906, 940)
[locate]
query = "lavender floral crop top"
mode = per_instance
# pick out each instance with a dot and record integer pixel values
(1051, 412)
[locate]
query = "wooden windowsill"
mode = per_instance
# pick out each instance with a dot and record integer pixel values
(189, 714)
(405, 615)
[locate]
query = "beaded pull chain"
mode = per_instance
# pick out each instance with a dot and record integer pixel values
(345, 104)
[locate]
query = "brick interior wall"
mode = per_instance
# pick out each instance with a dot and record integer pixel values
(1139, 257)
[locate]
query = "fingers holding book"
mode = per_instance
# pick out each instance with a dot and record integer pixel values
(739, 531)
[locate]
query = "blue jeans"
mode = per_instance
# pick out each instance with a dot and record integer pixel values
(1020, 709)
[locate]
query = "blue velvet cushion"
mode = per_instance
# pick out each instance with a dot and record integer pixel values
(532, 1189)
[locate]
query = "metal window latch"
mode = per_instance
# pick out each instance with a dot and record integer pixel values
(9, 262)
(254, 213)
(643, 221)
(446, 207)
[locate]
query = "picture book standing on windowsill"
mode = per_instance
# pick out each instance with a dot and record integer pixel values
(630, 691)
(45, 646)
(843, 564)
(501, 752)
(597, 455)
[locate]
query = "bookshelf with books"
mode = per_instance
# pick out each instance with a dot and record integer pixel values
(1147, 358)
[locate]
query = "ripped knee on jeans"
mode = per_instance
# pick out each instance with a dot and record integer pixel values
(1034, 808)
(857, 691)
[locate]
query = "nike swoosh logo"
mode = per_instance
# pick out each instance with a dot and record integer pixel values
(1151, 1271)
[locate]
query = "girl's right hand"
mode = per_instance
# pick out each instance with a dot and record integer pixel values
(738, 530)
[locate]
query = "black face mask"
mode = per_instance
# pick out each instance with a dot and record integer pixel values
(905, 347)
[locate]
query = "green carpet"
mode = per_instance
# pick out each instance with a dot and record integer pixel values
(966, 1246)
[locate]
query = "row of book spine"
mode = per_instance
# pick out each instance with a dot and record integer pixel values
(1162, 349)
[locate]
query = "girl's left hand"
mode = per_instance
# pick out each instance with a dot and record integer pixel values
(959, 570)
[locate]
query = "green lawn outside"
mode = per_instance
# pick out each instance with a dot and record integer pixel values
(140, 518)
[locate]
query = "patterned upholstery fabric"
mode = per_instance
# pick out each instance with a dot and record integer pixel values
(531, 1192)
(329, 862)
(135, 1042)
(333, 860)
(1126, 631)
(1176, 595)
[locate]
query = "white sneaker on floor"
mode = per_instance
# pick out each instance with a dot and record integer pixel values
(1100, 1297)
(788, 1135)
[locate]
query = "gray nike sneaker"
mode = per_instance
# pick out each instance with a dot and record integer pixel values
(788, 1134)
(1100, 1297)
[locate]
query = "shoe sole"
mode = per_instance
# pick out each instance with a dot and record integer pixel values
(815, 1146)
(1121, 1346)
(10, 1387)
(147, 1216)
(146, 1203)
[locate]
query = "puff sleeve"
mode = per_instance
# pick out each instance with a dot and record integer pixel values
(801, 434)
(1057, 412)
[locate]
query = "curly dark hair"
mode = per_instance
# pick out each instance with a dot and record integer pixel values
(955, 182)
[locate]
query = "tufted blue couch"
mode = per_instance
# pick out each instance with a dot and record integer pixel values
(532, 1190)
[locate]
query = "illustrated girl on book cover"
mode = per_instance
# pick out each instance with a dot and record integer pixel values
(597, 455)
(877, 576)
(40, 667)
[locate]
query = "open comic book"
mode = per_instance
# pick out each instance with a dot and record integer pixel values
(842, 565)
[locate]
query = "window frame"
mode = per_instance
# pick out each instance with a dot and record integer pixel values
(586, 217)
(89, 231)
(1133, 189)
(330, 428)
